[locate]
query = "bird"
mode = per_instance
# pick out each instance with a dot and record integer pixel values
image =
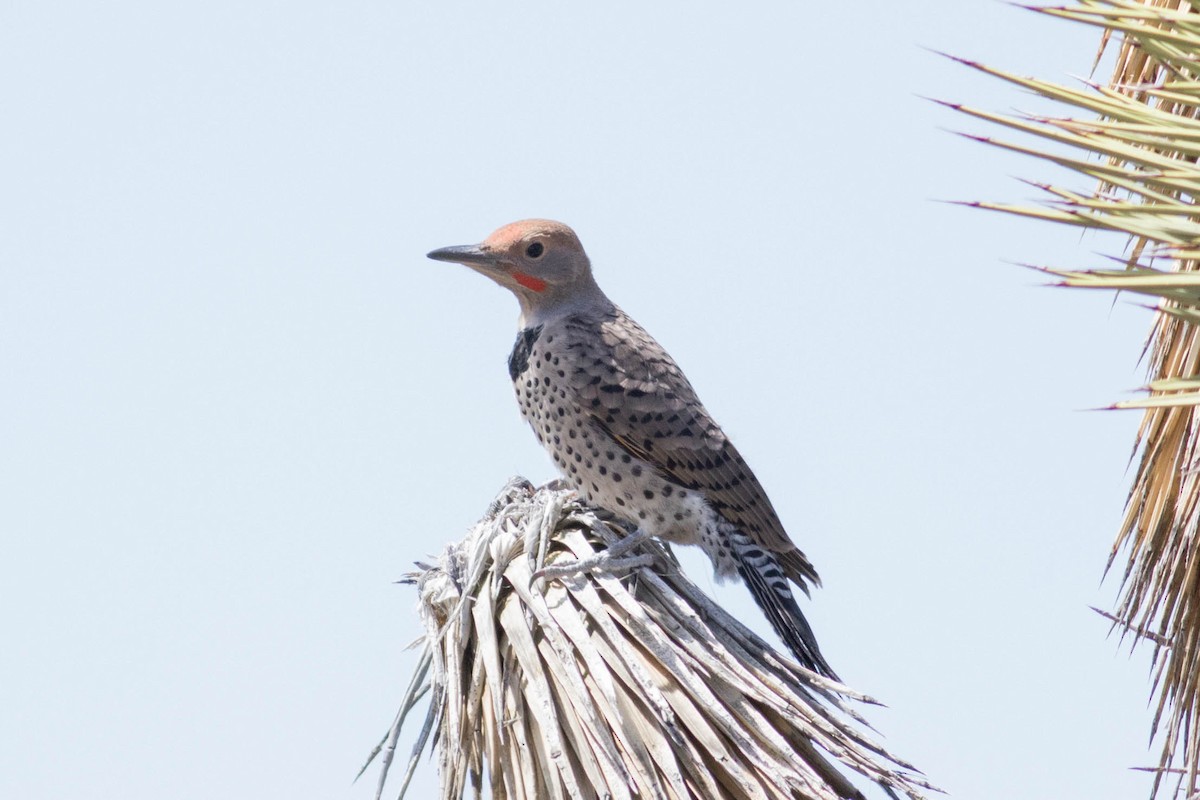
(625, 427)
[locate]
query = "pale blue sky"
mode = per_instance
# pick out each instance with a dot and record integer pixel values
(238, 401)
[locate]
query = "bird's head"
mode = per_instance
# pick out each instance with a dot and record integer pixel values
(539, 260)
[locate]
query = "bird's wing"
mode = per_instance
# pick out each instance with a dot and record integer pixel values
(634, 390)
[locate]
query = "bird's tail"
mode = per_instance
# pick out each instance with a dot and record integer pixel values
(760, 570)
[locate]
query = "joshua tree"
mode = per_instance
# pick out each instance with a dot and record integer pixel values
(1136, 140)
(621, 685)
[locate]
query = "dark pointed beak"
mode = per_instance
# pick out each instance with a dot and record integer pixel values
(469, 254)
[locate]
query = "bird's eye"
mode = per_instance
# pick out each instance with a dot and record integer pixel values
(534, 250)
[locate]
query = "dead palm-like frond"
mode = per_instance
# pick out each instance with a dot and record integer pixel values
(1140, 142)
(622, 685)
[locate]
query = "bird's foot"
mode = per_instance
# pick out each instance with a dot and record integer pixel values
(611, 559)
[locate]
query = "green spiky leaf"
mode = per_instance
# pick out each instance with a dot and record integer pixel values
(1136, 149)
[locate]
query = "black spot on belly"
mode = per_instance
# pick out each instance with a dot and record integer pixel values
(518, 359)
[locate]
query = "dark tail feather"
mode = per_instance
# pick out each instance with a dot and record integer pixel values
(760, 570)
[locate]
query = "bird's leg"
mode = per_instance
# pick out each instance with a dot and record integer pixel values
(558, 485)
(610, 559)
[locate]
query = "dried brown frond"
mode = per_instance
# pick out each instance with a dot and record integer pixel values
(613, 685)
(1161, 587)
(1140, 142)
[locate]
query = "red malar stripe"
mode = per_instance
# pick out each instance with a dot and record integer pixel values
(530, 282)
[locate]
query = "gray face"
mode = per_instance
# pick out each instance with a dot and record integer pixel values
(539, 260)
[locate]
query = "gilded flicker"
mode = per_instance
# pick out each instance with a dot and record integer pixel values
(624, 425)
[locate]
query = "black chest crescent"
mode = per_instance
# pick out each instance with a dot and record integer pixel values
(518, 360)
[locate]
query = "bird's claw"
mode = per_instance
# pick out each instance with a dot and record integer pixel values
(601, 561)
(612, 559)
